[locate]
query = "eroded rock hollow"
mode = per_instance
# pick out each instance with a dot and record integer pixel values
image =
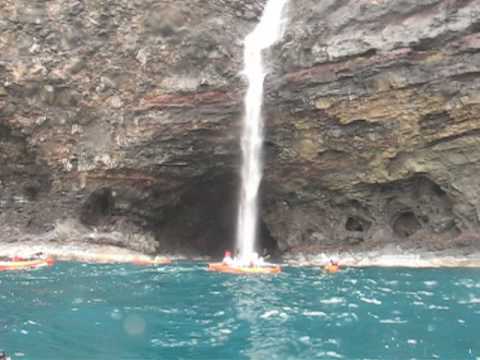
(119, 124)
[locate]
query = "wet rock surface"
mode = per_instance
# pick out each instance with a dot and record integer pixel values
(121, 119)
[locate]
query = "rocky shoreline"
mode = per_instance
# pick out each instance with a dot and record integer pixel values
(390, 259)
(76, 251)
(387, 257)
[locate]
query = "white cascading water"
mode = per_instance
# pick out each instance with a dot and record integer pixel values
(269, 30)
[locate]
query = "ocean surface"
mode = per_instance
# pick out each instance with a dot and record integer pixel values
(85, 312)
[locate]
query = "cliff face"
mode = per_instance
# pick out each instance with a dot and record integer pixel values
(119, 123)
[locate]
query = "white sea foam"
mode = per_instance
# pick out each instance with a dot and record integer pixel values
(371, 301)
(471, 300)
(304, 339)
(332, 354)
(438, 307)
(430, 284)
(315, 313)
(393, 321)
(333, 300)
(333, 342)
(269, 314)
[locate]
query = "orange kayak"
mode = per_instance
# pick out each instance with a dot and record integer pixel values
(147, 262)
(332, 268)
(26, 264)
(221, 267)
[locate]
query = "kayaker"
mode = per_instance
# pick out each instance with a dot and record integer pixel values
(39, 255)
(227, 259)
(333, 266)
(256, 261)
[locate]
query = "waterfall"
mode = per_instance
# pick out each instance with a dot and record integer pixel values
(269, 30)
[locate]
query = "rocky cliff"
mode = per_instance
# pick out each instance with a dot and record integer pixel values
(119, 123)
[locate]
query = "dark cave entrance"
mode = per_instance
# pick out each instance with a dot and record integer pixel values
(357, 224)
(406, 224)
(203, 220)
(100, 204)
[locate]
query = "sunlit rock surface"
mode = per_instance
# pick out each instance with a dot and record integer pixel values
(121, 119)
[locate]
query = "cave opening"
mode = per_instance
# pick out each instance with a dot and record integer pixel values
(31, 191)
(203, 219)
(353, 224)
(406, 224)
(99, 205)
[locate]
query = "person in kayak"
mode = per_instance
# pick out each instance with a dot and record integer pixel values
(256, 261)
(333, 266)
(227, 259)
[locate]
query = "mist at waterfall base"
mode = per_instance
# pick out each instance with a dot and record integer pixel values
(76, 311)
(268, 31)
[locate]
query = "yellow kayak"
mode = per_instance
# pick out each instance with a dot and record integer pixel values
(26, 264)
(221, 267)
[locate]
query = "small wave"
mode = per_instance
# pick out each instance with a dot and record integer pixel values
(331, 354)
(371, 301)
(387, 290)
(333, 342)
(334, 300)
(412, 342)
(271, 313)
(171, 343)
(305, 339)
(438, 307)
(393, 321)
(348, 317)
(430, 284)
(468, 283)
(472, 300)
(315, 313)
(392, 282)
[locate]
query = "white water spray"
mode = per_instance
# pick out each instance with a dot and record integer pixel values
(269, 30)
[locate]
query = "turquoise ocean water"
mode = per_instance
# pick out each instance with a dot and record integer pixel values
(84, 312)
